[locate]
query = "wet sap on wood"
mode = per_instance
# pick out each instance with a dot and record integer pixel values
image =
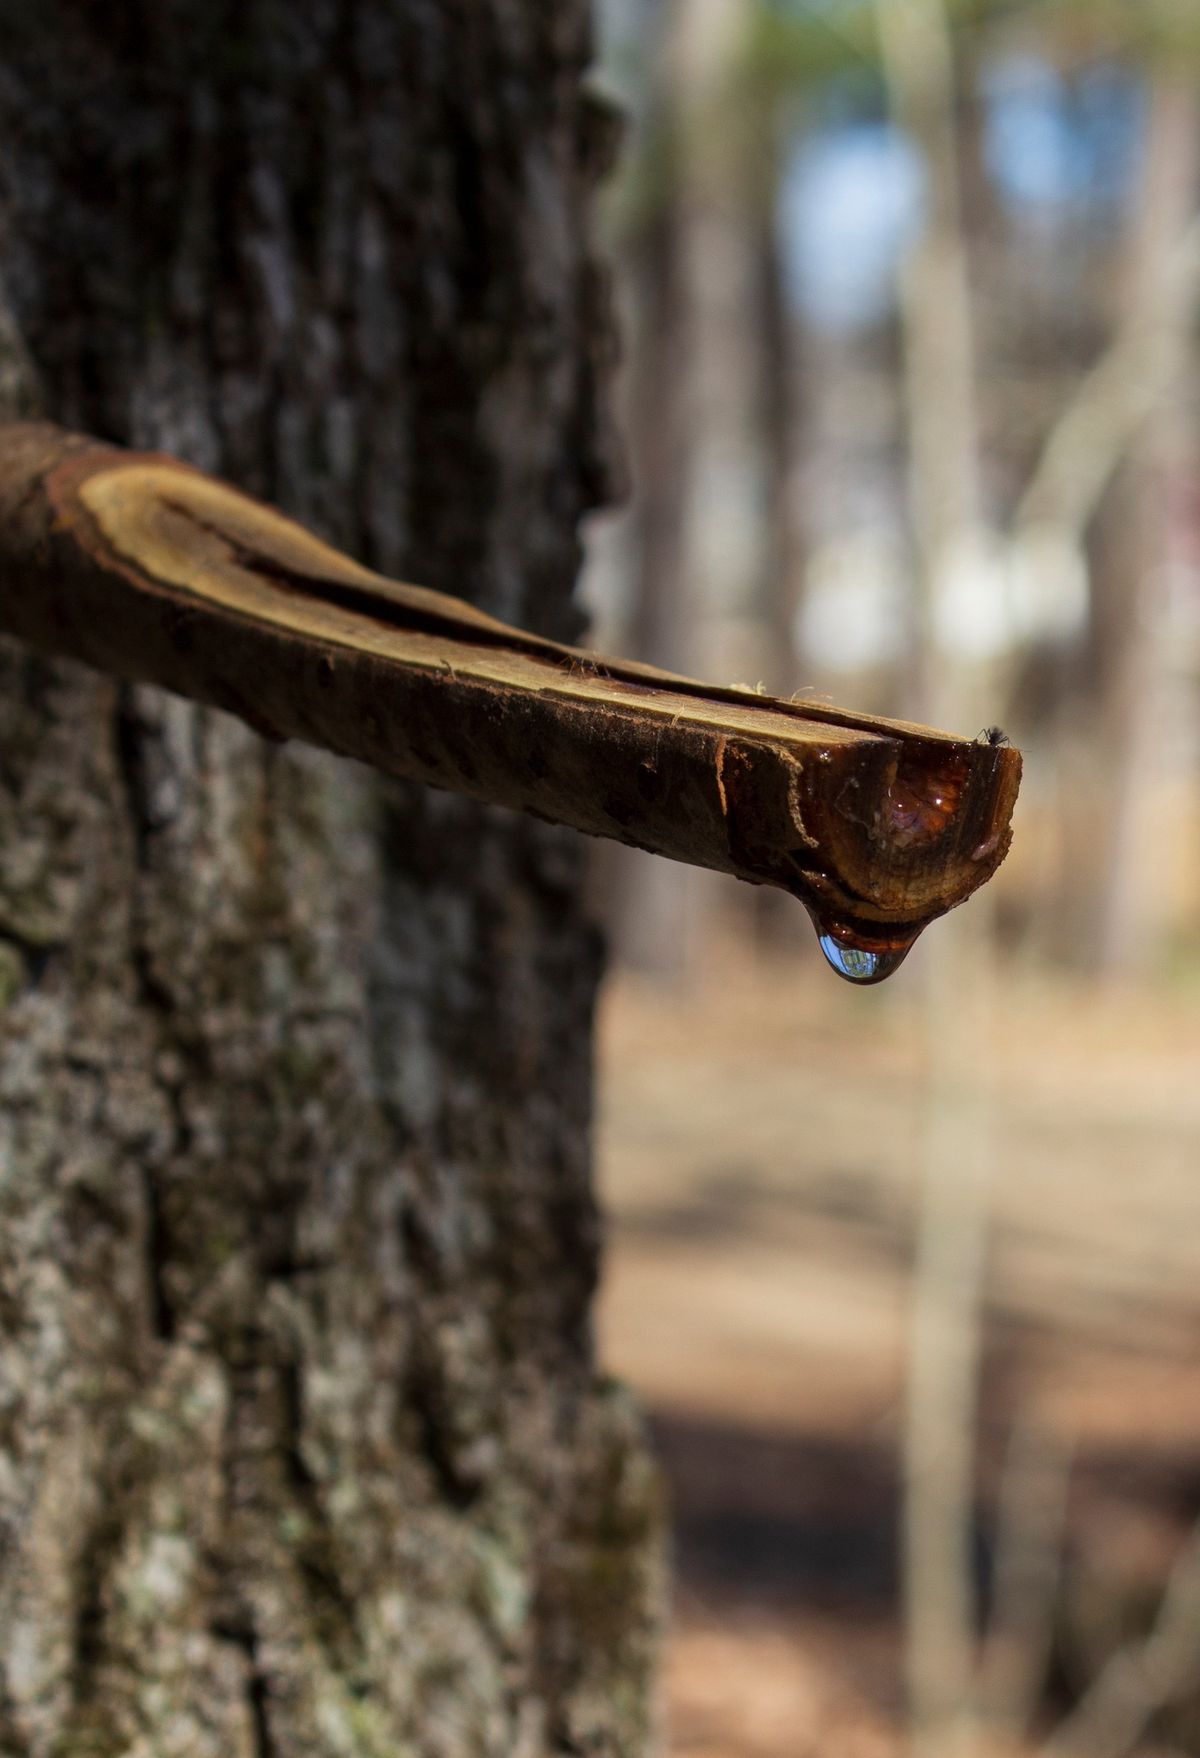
(920, 804)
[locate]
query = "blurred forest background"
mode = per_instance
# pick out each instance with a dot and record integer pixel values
(910, 1280)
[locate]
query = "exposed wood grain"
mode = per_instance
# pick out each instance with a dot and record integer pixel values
(150, 570)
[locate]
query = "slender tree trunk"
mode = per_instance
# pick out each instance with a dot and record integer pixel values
(945, 491)
(656, 903)
(649, 900)
(302, 1450)
(693, 426)
(780, 583)
(778, 368)
(940, 380)
(1132, 550)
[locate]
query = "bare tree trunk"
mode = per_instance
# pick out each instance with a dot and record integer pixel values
(1132, 550)
(693, 422)
(649, 900)
(778, 367)
(302, 1451)
(947, 515)
(938, 348)
(781, 572)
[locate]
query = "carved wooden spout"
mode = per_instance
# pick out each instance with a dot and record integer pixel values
(151, 570)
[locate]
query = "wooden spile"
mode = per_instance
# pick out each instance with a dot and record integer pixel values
(150, 570)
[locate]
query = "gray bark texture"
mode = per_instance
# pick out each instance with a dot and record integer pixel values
(303, 1453)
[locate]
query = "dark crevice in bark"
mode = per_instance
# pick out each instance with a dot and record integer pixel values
(419, 1249)
(162, 1312)
(234, 1620)
(240, 1633)
(258, 1693)
(427, 1401)
(96, 1557)
(564, 1745)
(12, 1740)
(288, 1265)
(129, 736)
(36, 958)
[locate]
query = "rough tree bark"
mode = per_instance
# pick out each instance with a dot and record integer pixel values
(302, 1448)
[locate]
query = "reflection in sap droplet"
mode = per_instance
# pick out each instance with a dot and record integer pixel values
(859, 960)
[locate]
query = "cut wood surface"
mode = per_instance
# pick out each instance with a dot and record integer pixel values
(151, 570)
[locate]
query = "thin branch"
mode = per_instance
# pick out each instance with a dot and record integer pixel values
(1029, 1562)
(1141, 1678)
(150, 570)
(1094, 430)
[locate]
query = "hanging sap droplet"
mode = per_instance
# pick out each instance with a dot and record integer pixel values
(860, 960)
(856, 963)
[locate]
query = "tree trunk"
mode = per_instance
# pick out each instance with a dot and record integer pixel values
(649, 903)
(687, 414)
(302, 1447)
(780, 585)
(653, 905)
(1134, 544)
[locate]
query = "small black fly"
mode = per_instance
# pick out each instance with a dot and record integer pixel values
(993, 735)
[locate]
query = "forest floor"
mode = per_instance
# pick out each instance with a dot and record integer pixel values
(761, 1139)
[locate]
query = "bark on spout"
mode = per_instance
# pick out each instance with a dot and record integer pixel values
(150, 570)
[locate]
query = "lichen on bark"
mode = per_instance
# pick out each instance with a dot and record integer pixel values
(302, 1449)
